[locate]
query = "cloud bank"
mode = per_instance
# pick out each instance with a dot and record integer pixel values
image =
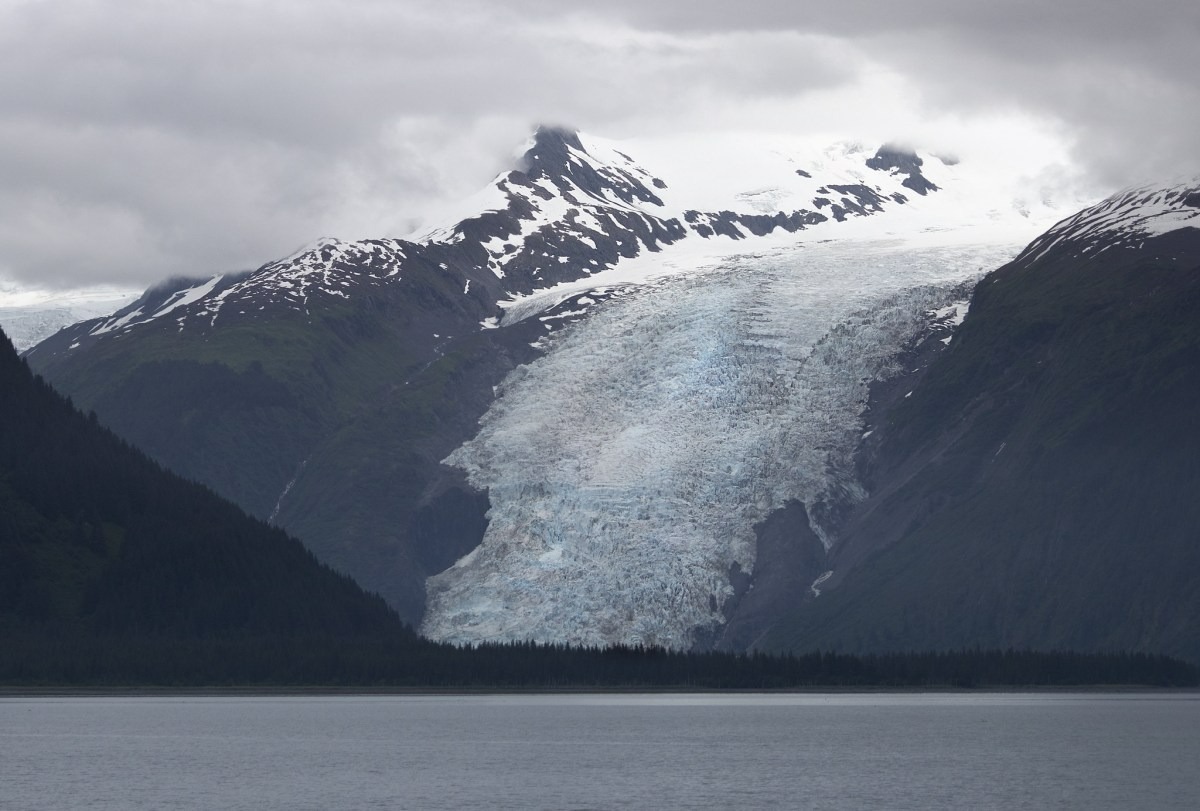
(143, 139)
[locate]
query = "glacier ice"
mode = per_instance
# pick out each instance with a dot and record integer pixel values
(628, 466)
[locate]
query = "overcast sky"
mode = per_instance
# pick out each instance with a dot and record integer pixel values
(143, 139)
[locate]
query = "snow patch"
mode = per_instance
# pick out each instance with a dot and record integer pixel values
(815, 587)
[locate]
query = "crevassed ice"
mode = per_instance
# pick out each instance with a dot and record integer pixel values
(627, 467)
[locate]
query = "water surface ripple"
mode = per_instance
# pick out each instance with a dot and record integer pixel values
(911, 751)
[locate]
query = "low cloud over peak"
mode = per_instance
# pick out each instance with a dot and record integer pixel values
(207, 137)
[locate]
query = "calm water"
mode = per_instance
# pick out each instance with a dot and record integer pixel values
(582, 752)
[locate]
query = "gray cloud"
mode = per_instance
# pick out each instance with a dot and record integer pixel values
(141, 140)
(1118, 77)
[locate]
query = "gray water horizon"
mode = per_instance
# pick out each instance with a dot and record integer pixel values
(600, 751)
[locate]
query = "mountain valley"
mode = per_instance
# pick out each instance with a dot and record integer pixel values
(758, 405)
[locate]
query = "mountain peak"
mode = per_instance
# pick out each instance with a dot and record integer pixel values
(550, 150)
(559, 155)
(549, 141)
(902, 161)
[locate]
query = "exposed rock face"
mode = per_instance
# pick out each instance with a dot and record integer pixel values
(902, 162)
(788, 555)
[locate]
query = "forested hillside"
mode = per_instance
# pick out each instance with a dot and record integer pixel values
(97, 539)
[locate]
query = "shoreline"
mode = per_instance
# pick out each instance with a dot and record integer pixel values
(321, 691)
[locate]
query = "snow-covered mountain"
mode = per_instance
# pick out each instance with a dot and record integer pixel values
(629, 354)
(628, 468)
(577, 206)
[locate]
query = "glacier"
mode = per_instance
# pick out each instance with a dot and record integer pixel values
(30, 314)
(627, 466)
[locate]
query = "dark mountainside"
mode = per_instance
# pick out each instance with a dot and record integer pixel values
(254, 408)
(321, 392)
(97, 540)
(115, 572)
(1039, 487)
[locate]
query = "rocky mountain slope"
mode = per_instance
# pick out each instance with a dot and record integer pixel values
(1038, 487)
(323, 391)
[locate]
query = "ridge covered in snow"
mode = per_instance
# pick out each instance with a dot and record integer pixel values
(327, 268)
(576, 190)
(1126, 219)
(577, 207)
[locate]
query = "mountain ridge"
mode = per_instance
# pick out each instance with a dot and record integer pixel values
(605, 209)
(324, 390)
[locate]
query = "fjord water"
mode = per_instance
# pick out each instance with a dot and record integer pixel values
(928, 751)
